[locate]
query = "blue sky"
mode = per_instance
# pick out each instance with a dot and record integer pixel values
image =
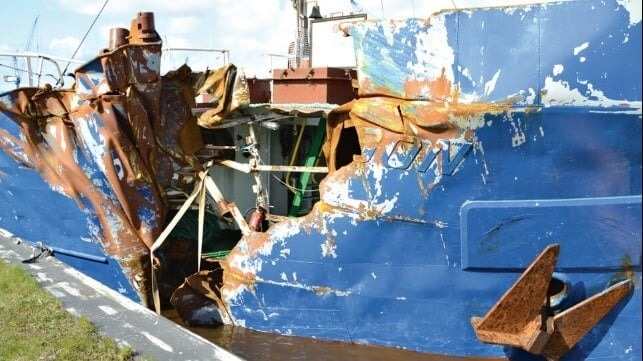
(248, 29)
(239, 26)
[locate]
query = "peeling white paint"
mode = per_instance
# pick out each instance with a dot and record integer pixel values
(531, 98)
(558, 69)
(394, 160)
(339, 195)
(328, 249)
(444, 247)
(633, 7)
(386, 206)
(560, 93)
(491, 84)
(433, 53)
(473, 121)
(580, 48)
(466, 73)
(518, 139)
(315, 289)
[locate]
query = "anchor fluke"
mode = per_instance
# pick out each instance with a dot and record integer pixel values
(523, 318)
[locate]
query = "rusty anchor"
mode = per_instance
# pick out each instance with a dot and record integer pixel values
(523, 318)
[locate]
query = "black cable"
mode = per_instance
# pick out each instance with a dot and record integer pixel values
(85, 36)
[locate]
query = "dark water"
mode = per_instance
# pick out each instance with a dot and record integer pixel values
(253, 345)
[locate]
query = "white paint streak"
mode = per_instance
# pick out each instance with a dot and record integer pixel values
(73, 311)
(444, 247)
(101, 288)
(5, 233)
(42, 277)
(491, 84)
(299, 286)
(580, 48)
(386, 206)
(467, 74)
(65, 286)
(108, 310)
(54, 292)
(158, 342)
(559, 93)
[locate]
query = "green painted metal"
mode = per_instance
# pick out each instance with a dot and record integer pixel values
(311, 158)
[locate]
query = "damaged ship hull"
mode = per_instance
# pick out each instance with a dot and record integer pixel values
(483, 196)
(471, 150)
(411, 272)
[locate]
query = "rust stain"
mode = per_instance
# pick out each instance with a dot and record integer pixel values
(522, 317)
(114, 121)
(439, 89)
(235, 278)
(627, 273)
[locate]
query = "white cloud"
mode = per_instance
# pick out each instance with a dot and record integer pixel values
(65, 45)
(248, 29)
(184, 24)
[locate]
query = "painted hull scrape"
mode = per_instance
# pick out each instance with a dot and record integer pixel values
(478, 148)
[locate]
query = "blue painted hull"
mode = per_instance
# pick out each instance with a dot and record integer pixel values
(484, 136)
(416, 284)
(31, 210)
(520, 127)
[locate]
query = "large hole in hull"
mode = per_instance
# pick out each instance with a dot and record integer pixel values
(347, 146)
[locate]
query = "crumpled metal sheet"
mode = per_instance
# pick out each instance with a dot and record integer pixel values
(229, 91)
(108, 144)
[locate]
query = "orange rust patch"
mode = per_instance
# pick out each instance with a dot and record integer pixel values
(438, 89)
(234, 278)
(322, 290)
(256, 241)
